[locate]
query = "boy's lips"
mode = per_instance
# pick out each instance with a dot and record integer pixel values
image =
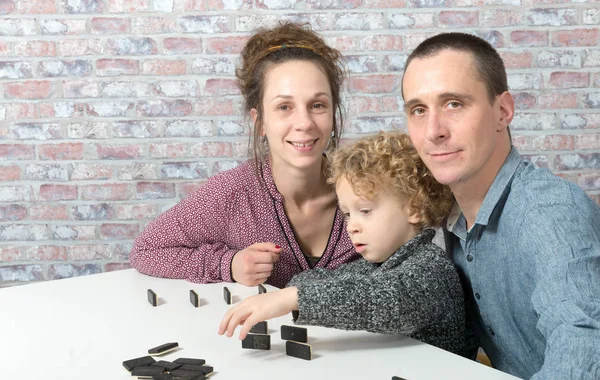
(359, 247)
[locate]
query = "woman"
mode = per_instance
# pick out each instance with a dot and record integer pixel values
(274, 216)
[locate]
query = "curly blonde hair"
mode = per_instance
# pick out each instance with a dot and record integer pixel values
(388, 162)
(287, 42)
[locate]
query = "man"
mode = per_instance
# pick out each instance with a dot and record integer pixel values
(526, 243)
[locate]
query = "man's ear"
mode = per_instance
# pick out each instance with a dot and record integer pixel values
(506, 108)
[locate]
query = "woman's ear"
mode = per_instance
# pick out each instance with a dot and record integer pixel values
(254, 115)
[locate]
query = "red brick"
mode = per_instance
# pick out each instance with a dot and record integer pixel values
(5, 49)
(106, 192)
(132, 46)
(6, 7)
(221, 87)
(112, 267)
(589, 181)
(46, 253)
(19, 111)
(501, 18)
(64, 151)
(154, 190)
(110, 25)
(136, 211)
(212, 149)
(153, 25)
(596, 79)
(29, 90)
(186, 189)
(589, 141)
(80, 89)
(182, 45)
(553, 142)
(128, 6)
(569, 79)
(17, 152)
(164, 67)
(12, 213)
(514, 60)
(88, 252)
(366, 104)
(77, 48)
(575, 37)
(115, 67)
(58, 192)
(62, 110)
(36, 6)
(375, 83)
(35, 49)
(42, 211)
(225, 45)
(60, 271)
(166, 150)
(10, 173)
(155, 108)
(10, 253)
(21, 273)
(457, 19)
(342, 43)
(528, 38)
(114, 231)
(118, 152)
(217, 107)
(552, 100)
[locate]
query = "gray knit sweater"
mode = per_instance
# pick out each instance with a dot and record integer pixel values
(415, 292)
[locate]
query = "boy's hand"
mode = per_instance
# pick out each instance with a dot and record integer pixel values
(258, 308)
(253, 265)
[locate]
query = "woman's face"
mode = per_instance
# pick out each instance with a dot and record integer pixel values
(297, 114)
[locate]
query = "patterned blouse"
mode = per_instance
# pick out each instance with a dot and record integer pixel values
(197, 238)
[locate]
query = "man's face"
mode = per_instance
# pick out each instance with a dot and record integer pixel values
(451, 122)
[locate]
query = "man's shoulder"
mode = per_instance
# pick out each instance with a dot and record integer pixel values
(539, 186)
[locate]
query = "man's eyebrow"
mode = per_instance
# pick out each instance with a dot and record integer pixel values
(442, 96)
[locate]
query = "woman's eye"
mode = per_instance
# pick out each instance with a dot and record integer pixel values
(284, 107)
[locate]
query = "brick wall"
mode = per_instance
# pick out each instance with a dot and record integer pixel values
(112, 110)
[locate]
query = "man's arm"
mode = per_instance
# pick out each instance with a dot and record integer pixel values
(567, 293)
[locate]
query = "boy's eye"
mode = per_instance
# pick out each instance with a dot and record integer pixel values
(346, 215)
(365, 211)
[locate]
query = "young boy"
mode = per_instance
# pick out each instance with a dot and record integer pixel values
(404, 284)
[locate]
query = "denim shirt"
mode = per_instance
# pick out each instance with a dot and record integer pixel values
(530, 266)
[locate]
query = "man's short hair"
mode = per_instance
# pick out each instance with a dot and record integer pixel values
(488, 63)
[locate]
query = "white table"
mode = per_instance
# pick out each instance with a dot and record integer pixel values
(85, 327)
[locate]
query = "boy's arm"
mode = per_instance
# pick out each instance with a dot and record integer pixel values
(567, 293)
(318, 274)
(417, 294)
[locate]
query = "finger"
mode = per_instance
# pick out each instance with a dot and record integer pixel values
(266, 247)
(247, 325)
(262, 268)
(225, 322)
(262, 257)
(237, 319)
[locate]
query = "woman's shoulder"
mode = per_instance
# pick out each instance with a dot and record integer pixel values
(242, 177)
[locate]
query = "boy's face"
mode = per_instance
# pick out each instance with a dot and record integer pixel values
(378, 226)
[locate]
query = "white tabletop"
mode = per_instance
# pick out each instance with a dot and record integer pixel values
(85, 327)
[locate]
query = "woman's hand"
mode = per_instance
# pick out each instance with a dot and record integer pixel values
(253, 265)
(257, 309)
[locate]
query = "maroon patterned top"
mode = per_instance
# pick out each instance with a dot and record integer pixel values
(197, 238)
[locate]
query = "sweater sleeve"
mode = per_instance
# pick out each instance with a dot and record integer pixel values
(187, 241)
(410, 298)
(318, 274)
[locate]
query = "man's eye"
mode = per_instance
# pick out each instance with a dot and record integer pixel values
(418, 111)
(454, 104)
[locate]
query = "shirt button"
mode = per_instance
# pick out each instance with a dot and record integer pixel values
(469, 257)
(477, 296)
